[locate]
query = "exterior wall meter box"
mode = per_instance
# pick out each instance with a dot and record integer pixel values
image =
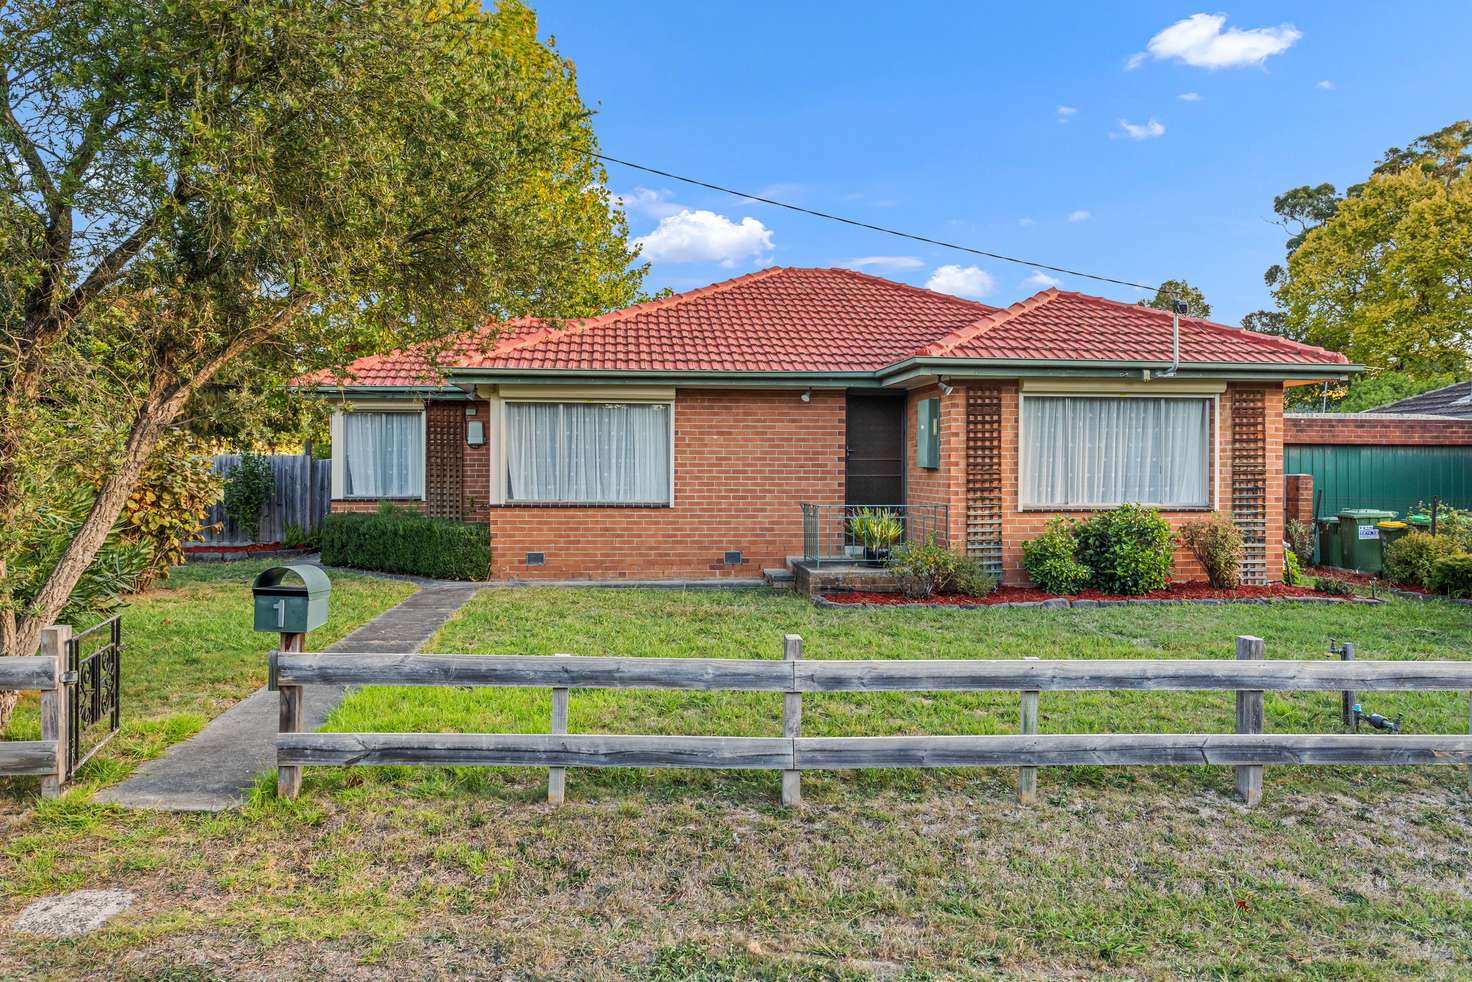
(475, 432)
(927, 433)
(287, 608)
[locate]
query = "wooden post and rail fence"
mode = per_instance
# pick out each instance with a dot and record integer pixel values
(1248, 750)
(44, 673)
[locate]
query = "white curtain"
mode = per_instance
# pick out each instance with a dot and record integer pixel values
(385, 455)
(1084, 451)
(610, 453)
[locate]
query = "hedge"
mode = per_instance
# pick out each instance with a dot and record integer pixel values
(397, 540)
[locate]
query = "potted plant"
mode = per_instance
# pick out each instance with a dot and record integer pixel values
(877, 530)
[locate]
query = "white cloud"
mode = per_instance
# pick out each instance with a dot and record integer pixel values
(1200, 41)
(961, 281)
(1326, 85)
(647, 201)
(1040, 280)
(1065, 113)
(696, 236)
(1142, 131)
(1135, 61)
(1189, 97)
(1025, 221)
(1078, 216)
(885, 262)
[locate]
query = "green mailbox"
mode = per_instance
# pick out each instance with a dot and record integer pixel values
(288, 608)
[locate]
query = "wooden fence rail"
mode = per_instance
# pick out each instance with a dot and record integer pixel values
(1248, 750)
(45, 757)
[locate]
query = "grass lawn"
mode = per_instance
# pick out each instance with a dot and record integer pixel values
(1144, 872)
(189, 653)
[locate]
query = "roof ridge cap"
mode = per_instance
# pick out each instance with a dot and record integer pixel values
(983, 324)
(909, 287)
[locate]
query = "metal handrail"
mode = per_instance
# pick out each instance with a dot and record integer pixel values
(828, 535)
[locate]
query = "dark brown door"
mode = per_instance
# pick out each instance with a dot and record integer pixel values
(876, 450)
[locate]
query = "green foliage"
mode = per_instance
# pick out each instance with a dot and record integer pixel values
(1451, 523)
(296, 537)
(876, 528)
(1173, 290)
(1452, 576)
(924, 570)
(249, 489)
(1386, 274)
(120, 567)
(1292, 571)
(1301, 540)
(1410, 559)
(1367, 392)
(1129, 550)
(1334, 586)
(1051, 559)
(400, 540)
(1217, 545)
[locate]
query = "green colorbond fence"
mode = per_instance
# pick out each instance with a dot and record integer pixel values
(1393, 478)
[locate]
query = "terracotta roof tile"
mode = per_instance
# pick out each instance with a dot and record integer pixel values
(828, 320)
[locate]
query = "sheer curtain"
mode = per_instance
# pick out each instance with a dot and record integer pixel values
(613, 453)
(1084, 451)
(385, 455)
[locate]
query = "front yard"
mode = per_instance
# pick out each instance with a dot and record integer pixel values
(673, 874)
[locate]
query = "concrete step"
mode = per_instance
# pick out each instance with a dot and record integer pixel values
(780, 579)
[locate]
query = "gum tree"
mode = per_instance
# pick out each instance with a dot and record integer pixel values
(201, 190)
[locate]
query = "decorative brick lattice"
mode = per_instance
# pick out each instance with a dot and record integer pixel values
(444, 463)
(1250, 481)
(984, 475)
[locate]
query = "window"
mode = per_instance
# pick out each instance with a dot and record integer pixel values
(1087, 452)
(588, 453)
(385, 455)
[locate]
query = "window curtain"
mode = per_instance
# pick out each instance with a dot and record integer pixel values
(610, 453)
(385, 455)
(1108, 451)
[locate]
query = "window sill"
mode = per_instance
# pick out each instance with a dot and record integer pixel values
(584, 504)
(379, 497)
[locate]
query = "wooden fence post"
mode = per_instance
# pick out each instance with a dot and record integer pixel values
(1347, 698)
(557, 776)
(289, 776)
(1027, 777)
(1249, 720)
(54, 706)
(792, 723)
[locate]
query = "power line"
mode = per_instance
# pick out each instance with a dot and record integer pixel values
(858, 224)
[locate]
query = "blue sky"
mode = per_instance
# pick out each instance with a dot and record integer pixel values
(949, 120)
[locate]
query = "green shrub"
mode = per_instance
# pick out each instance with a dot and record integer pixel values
(296, 537)
(1334, 586)
(398, 540)
(1300, 536)
(924, 570)
(1292, 571)
(1129, 550)
(1217, 545)
(248, 489)
(1452, 575)
(1410, 558)
(1051, 559)
(1453, 523)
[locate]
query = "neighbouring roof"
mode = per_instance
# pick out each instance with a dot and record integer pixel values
(829, 321)
(1449, 400)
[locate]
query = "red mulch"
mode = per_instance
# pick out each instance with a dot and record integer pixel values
(1363, 579)
(1015, 594)
(237, 550)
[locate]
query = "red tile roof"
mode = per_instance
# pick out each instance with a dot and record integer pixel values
(827, 320)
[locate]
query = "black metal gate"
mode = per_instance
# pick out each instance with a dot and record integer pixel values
(93, 689)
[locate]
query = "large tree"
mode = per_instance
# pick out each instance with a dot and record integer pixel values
(199, 190)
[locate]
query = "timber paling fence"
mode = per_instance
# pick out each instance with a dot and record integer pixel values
(301, 497)
(1248, 750)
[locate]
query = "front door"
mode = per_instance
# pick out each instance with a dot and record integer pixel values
(876, 450)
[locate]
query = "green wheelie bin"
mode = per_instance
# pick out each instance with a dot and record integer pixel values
(1329, 551)
(1359, 538)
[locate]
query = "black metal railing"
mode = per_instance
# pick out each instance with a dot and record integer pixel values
(93, 691)
(841, 533)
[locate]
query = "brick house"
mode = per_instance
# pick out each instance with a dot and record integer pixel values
(690, 436)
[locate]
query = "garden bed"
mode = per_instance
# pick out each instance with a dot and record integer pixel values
(1020, 596)
(255, 550)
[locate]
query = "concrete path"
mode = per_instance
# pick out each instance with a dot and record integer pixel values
(215, 769)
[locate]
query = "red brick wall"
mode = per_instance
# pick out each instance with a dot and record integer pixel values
(946, 484)
(744, 461)
(1372, 428)
(368, 505)
(1019, 526)
(1298, 498)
